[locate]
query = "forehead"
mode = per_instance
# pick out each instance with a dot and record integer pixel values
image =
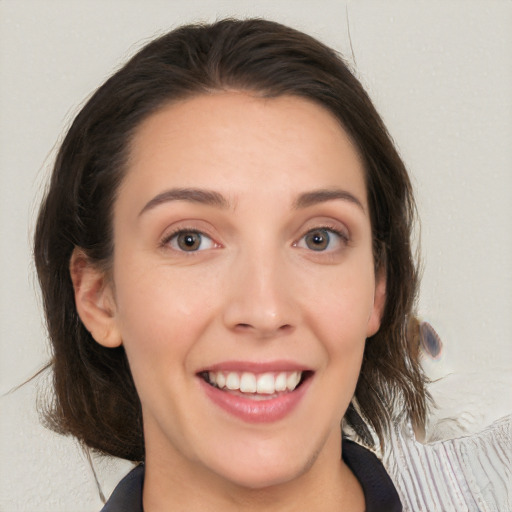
(230, 141)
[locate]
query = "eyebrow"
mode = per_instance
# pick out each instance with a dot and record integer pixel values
(212, 198)
(320, 196)
(192, 195)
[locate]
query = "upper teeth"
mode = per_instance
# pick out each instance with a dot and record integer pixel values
(264, 383)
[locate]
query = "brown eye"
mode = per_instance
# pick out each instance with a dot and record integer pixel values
(317, 240)
(190, 241)
(323, 240)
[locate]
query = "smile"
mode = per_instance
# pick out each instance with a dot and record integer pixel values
(256, 397)
(266, 384)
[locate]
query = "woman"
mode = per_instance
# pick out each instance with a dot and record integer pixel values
(224, 253)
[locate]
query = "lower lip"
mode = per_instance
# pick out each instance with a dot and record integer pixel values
(256, 411)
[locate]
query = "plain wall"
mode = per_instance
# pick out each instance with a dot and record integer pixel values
(440, 73)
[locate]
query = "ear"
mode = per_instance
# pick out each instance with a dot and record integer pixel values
(379, 302)
(94, 299)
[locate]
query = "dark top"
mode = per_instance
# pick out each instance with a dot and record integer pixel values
(379, 492)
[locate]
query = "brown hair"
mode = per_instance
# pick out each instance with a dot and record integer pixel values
(95, 397)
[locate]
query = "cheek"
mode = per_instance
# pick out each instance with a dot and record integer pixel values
(341, 309)
(340, 321)
(160, 315)
(159, 323)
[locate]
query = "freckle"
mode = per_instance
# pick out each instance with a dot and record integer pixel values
(430, 340)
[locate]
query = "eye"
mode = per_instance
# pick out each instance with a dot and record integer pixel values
(190, 241)
(322, 239)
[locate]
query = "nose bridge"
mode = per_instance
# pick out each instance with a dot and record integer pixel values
(259, 298)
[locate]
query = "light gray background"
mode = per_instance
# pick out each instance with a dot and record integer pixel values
(440, 73)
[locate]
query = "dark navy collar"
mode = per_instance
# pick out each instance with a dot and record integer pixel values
(127, 496)
(379, 492)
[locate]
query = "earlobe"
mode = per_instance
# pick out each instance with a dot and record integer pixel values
(379, 303)
(94, 299)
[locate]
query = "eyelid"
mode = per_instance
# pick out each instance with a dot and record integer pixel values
(334, 228)
(169, 235)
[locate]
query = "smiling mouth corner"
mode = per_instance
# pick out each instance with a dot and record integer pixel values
(264, 385)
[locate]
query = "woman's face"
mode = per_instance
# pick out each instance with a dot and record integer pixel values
(243, 285)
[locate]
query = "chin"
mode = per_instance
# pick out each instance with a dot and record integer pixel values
(261, 478)
(261, 473)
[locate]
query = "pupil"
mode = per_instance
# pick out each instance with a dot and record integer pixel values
(189, 241)
(318, 240)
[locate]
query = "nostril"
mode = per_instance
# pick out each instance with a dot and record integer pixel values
(269, 330)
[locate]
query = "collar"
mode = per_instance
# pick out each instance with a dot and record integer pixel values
(379, 492)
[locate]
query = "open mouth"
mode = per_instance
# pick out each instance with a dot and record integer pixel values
(258, 386)
(256, 396)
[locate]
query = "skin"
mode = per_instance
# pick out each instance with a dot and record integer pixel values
(256, 290)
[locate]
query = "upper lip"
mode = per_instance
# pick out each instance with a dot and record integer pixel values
(256, 367)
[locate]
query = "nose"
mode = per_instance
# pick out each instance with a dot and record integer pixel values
(259, 296)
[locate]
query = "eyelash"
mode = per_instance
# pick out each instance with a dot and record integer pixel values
(344, 238)
(166, 241)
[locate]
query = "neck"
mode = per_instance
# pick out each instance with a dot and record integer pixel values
(326, 485)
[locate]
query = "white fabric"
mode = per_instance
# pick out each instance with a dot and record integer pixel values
(466, 474)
